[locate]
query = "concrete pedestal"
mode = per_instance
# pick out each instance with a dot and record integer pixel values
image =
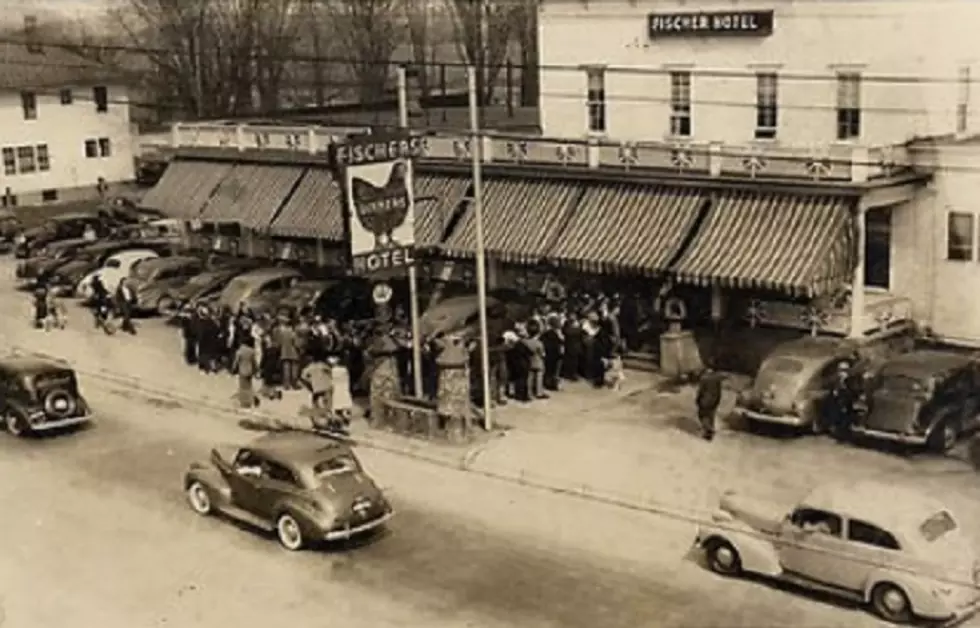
(453, 393)
(680, 358)
(384, 378)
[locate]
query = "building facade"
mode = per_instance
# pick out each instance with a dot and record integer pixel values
(64, 123)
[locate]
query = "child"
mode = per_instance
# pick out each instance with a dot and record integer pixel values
(615, 373)
(56, 313)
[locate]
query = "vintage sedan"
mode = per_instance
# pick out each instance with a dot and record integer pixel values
(38, 395)
(249, 288)
(152, 278)
(340, 299)
(202, 285)
(118, 267)
(306, 488)
(461, 315)
(929, 398)
(63, 227)
(48, 258)
(9, 225)
(793, 384)
(877, 543)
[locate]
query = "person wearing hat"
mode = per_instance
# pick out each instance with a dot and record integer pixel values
(554, 345)
(244, 365)
(707, 399)
(843, 398)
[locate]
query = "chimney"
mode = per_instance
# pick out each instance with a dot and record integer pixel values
(30, 34)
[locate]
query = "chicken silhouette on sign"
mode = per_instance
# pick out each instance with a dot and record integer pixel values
(381, 210)
(380, 215)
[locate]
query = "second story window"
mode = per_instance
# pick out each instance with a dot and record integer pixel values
(596, 100)
(91, 149)
(28, 102)
(9, 161)
(100, 94)
(766, 105)
(963, 100)
(43, 158)
(848, 105)
(680, 104)
(959, 236)
(105, 147)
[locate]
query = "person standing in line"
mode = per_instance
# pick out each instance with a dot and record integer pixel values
(244, 366)
(554, 344)
(270, 368)
(189, 324)
(707, 399)
(535, 349)
(288, 355)
(572, 351)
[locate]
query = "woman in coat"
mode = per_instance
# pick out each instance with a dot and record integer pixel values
(341, 401)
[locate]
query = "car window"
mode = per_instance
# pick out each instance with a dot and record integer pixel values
(819, 521)
(280, 473)
(338, 465)
(113, 263)
(901, 383)
(868, 534)
(937, 526)
(781, 364)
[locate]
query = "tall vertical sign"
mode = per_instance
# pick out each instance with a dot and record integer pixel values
(378, 181)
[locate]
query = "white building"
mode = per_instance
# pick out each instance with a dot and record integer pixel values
(64, 124)
(793, 72)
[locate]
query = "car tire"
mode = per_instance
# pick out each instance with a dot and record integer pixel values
(891, 603)
(944, 437)
(15, 425)
(199, 499)
(290, 532)
(723, 558)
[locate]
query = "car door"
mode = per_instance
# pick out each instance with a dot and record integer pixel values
(244, 476)
(869, 546)
(277, 484)
(811, 545)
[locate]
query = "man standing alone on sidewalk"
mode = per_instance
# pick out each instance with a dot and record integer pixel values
(708, 399)
(244, 366)
(288, 343)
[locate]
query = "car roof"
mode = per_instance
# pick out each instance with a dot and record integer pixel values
(175, 260)
(75, 216)
(925, 363)
(808, 346)
(882, 503)
(261, 274)
(297, 449)
(30, 364)
(133, 252)
(67, 244)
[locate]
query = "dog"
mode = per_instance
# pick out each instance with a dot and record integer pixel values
(615, 372)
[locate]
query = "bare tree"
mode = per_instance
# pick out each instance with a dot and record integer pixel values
(419, 31)
(367, 33)
(524, 29)
(483, 35)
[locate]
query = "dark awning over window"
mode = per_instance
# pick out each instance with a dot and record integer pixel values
(185, 186)
(251, 194)
(793, 243)
(315, 210)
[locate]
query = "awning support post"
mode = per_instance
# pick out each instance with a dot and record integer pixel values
(857, 279)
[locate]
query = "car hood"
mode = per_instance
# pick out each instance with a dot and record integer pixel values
(758, 514)
(892, 412)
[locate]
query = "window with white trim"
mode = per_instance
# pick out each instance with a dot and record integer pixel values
(26, 162)
(960, 227)
(43, 158)
(596, 99)
(848, 105)
(680, 104)
(766, 105)
(9, 161)
(28, 103)
(963, 100)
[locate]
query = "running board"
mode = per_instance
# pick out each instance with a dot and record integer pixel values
(813, 585)
(246, 517)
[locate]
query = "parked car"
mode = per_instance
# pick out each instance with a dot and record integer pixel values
(116, 268)
(162, 229)
(66, 277)
(205, 284)
(304, 487)
(926, 398)
(39, 395)
(48, 258)
(461, 315)
(63, 227)
(794, 383)
(9, 225)
(347, 299)
(878, 543)
(153, 277)
(247, 289)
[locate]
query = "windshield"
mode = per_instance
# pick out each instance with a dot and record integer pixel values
(303, 292)
(783, 366)
(937, 526)
(902, 383)
(204, 279)
(338, 465)
(237, 289)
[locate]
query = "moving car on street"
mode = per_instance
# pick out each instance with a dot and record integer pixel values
(39, 395)
(794, 383)
(63, 227)
(116, 268)
(306, 488)
(249, 288)
(153, 277)
(895, 549)
(922, 398)
(9, 226)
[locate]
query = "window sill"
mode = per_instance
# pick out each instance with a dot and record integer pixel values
(765, 141)
(679, 139)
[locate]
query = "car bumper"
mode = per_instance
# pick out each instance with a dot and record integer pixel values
(779, 419)
(894, 437)
(57, 424)
(352, 531)
(958, 615)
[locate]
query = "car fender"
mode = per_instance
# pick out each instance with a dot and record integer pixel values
(18, 408)
(918, 590)
(757, 552)
(212, 479)
(312, 523)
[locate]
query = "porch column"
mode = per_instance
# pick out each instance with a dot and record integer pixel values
(857, 280)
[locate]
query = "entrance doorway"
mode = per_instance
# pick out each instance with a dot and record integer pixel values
(878, 248)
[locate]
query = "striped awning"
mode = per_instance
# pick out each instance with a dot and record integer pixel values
(315, 209)
(185, 186)
(521, 219)
(792, 243)
(436, 199)
(627, 228)
(251, 194)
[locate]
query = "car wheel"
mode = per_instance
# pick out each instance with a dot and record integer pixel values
(199, 499)
(723, 558)
(945, 437)
(15, 425)
(891, 604)
(289, 532)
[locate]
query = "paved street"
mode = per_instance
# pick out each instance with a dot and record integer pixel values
(100, 519)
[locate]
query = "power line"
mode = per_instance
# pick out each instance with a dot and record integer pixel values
(577, 68)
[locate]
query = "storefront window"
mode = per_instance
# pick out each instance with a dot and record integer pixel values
(959, 237)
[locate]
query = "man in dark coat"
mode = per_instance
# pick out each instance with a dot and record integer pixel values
(572, 353)
(708, 399)
(554, 345)
(843, 398)
(523, 355)
(189, 323)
